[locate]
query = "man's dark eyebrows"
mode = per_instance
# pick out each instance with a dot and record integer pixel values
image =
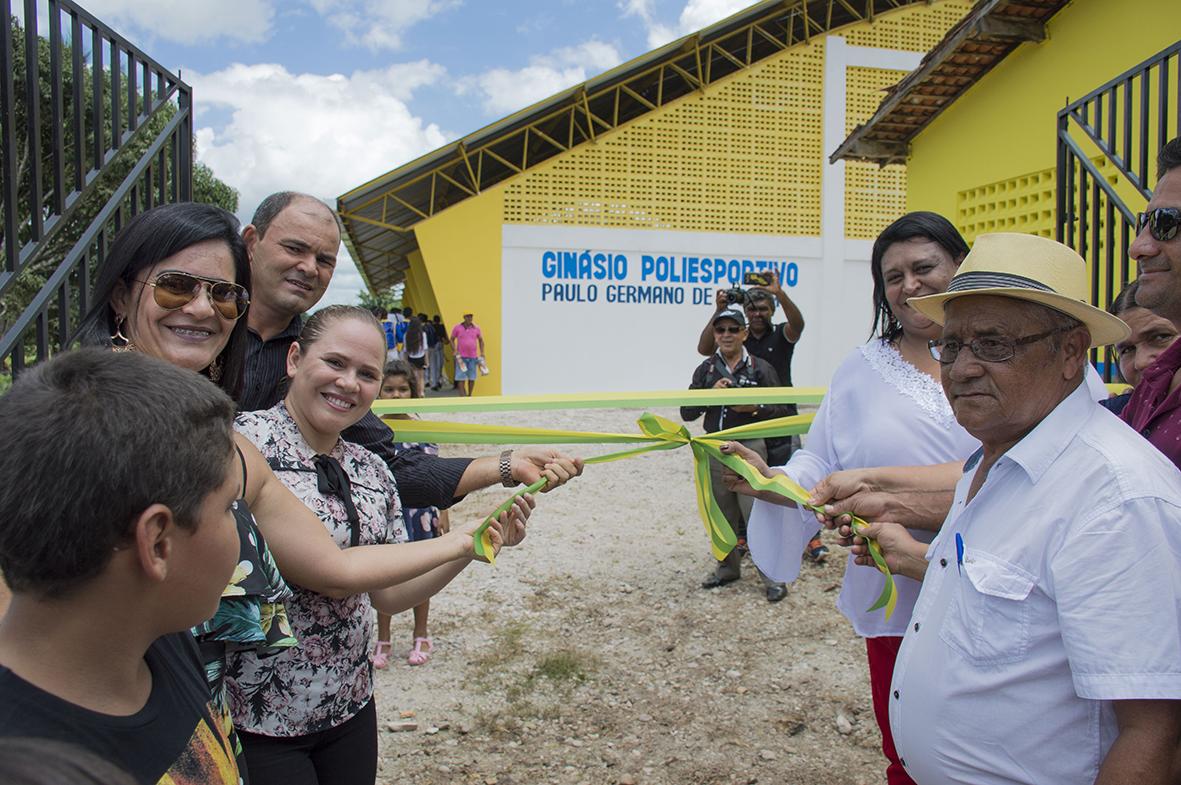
(294, 242)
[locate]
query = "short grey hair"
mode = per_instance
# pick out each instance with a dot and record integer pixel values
(269, 208)
(1050, 318)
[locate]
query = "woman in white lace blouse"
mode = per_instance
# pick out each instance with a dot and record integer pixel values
(884, 407)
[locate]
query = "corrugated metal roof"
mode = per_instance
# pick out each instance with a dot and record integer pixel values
(984, 37)
(379, 216)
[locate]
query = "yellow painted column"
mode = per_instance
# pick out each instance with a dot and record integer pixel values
(461, 250)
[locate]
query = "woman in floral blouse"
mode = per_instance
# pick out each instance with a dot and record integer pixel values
(307, 715)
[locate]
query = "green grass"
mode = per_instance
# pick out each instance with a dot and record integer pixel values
(564, 665)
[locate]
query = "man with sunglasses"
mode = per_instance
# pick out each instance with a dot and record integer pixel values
(293, 241)
(1155, 406)
(732, 366)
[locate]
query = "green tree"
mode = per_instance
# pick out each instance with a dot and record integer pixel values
(208, 189)
(390, 299)
(206, 186)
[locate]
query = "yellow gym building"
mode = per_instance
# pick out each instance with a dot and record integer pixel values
(588, 233)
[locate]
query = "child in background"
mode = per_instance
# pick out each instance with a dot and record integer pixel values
(421, 524)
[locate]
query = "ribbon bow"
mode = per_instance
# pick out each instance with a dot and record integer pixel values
(658, 433)
(332, 478)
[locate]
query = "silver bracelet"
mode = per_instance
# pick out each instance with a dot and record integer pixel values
(506, 469)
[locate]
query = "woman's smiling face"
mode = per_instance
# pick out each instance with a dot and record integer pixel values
(190, 336)
(336, 378)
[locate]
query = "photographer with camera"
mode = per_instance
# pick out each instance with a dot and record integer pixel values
(732, 366)
(774, 343)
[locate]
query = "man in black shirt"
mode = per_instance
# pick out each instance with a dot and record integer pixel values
(293, 241)
(116, 536)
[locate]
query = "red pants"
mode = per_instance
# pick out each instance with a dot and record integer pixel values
(881, 653)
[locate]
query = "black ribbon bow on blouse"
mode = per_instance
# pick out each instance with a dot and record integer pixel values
(332, 478)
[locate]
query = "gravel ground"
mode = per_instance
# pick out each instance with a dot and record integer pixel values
(590, 654)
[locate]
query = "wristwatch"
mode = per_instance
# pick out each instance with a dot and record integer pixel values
(506, 469)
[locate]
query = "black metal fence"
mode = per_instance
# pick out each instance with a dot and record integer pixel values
(92, 131)
(1107, 146)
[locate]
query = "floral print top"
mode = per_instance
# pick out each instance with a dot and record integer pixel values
(251, 615)
(327, 678)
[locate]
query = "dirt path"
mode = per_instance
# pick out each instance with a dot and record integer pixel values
(590, 655)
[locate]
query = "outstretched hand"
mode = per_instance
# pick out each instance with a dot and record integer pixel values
(506, 529)
(530, 464)
(904, 554)
(738, 484)
(847, 493)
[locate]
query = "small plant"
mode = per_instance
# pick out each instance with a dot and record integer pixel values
(564, 665)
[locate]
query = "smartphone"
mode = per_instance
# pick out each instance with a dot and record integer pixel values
(753, 278)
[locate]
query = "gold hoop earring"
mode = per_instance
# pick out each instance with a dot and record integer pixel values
(214, 370)
(126, 345)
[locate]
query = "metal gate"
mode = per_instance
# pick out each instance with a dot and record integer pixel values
(1107, 146)
(92, 131)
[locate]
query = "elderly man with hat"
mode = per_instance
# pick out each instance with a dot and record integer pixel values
(1045, 644)
(732, 366)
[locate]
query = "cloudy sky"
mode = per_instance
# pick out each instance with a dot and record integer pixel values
(323, 95)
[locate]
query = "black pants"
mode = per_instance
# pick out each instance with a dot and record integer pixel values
(344, 755)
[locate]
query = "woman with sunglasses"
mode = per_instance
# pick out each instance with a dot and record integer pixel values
(175, 285)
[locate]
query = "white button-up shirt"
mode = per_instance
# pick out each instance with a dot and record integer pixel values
(1063, 595)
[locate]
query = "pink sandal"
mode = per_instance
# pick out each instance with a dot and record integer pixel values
(381, 655)
(417, 655)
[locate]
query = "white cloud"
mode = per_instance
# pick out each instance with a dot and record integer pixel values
(695, 15)
(504, 91)
(188, 22)
(379, 24)
(314, 133)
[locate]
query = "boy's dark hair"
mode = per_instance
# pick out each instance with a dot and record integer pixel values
(918, 225)
(151, 237)
(92, 439)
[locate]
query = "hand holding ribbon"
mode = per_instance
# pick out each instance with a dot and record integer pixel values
(656, 433)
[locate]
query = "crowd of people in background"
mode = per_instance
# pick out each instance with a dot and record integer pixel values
(218, 509)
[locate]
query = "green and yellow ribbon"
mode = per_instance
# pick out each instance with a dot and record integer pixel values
(656, 433)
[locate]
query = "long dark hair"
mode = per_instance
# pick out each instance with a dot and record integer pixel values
(924, 225)
(155, 235)
(414, 335)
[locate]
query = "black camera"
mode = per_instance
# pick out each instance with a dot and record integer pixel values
(734, 295)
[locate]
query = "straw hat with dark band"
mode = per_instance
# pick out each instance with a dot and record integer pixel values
(1027, 267)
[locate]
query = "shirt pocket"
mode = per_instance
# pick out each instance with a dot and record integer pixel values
(988, 621)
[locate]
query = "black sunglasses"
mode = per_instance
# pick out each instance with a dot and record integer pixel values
(1162, 223)
(723, 329)
(172, 290)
